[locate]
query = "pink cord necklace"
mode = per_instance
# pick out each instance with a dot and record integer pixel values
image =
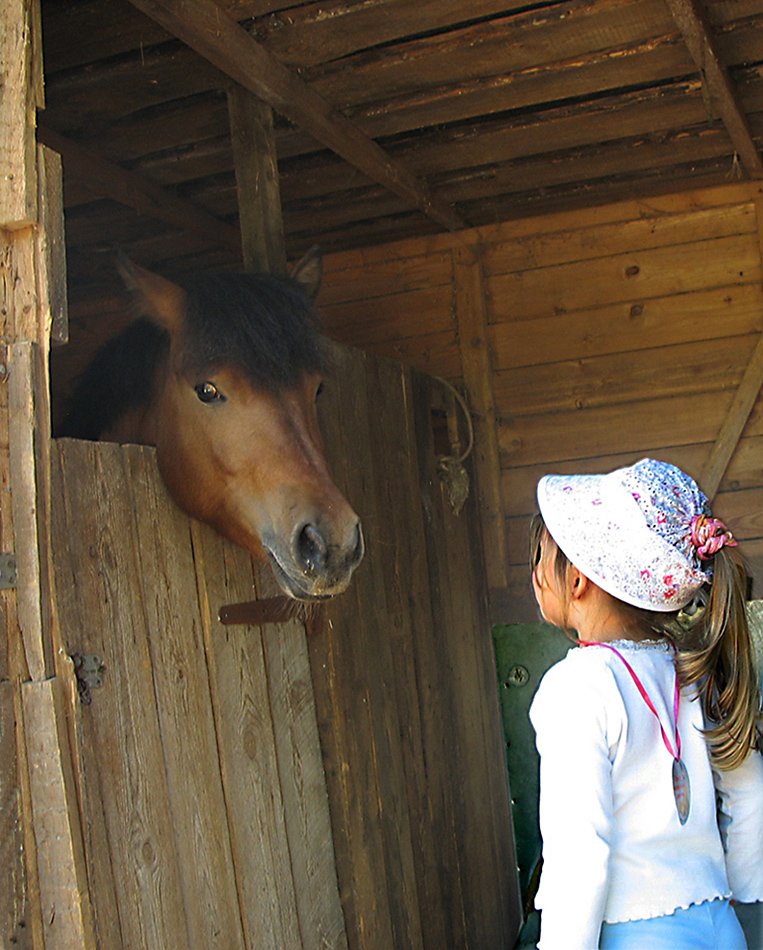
(681, 787)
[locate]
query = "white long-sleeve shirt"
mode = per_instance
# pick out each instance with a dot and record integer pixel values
(613, 847)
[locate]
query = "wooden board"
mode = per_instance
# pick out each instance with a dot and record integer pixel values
(404, 668)
(15, 921)
(251, 787)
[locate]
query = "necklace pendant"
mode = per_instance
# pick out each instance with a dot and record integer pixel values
(681, 790)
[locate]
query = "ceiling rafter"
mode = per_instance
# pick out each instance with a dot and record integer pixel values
(691, 22)
(211, 32)
(135, 191)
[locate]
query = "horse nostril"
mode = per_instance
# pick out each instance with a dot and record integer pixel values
(359, 549)
(311, 549)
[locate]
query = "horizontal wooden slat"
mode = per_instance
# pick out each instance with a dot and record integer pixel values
(612, 429)
(518, 483)
(504, 45)
(550, 247)
(459, 97)
(628, 276)
(418, 313)
(529, 227)
(395, 274)
(435, 353)
(680, 370)
(565, 127)
(627, 326)
(317, 32)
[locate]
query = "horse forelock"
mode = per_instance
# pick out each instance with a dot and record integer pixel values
(263, 324)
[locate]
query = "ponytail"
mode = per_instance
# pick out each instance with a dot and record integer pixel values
(717, 658)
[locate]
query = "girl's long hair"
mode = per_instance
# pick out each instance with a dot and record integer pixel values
(716, 656)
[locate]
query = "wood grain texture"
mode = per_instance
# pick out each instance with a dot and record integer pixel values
(15, 919)
(65, 901)
(259, 199)
(186, 719)
(133, 862)
(268, 789)
(18, 196)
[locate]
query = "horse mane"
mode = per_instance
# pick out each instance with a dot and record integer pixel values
(264, 325)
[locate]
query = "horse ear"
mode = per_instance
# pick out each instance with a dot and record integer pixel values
(309, 272)
(156, 297)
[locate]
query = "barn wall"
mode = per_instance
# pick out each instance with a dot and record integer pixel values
(585, 340)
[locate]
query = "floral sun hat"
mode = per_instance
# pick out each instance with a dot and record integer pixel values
(641, 533)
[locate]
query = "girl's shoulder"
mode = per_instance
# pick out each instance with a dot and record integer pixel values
(597, 655)
(596, 670)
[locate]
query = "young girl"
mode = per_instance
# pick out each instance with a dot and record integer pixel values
(651, 789)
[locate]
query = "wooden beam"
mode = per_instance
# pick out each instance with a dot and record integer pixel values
(18, 196)
(108, 180)
(476, 361)
(691, 21)
(257, 184)
(206, 28)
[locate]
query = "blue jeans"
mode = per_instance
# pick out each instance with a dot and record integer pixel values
(709, 926)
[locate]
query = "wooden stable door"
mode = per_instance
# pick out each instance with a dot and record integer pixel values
(262, 787)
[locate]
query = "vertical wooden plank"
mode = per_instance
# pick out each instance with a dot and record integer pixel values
(302, 780)
(66, 912)
(354, 748)
(51, 247)
(246, 740)
(259, 197)
(15, 914)
(18, 196)
(418, 686)
(132, 859)
(181, 684)
(24, 433)
(480, 790)
(476, 360)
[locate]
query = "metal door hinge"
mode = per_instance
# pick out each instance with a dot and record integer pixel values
(8, 573)
(89, 672)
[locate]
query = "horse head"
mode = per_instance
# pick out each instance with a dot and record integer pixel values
(234, 421)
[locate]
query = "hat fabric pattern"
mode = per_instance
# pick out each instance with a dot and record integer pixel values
(629, 531)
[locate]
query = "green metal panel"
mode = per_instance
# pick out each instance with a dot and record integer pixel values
(523, 654)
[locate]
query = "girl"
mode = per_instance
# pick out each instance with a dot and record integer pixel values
(642, 730)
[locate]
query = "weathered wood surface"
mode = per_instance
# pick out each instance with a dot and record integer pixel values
(254, 787)
(259, 199)
(622, 331)
(412, 622)
(187, 841)
(19, 80)
(496, 110)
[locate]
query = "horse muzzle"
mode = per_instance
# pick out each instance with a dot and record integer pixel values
(315, 565)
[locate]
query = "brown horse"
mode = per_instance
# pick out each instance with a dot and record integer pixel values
(222, 376)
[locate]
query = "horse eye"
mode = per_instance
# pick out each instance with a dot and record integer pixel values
(208, 392)
(319, 390)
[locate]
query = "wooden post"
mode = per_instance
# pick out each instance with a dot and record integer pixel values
(18, 104)
(259, 198)
(476, 361)
(58, 913)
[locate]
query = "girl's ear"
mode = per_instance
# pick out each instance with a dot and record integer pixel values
(579, 583)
